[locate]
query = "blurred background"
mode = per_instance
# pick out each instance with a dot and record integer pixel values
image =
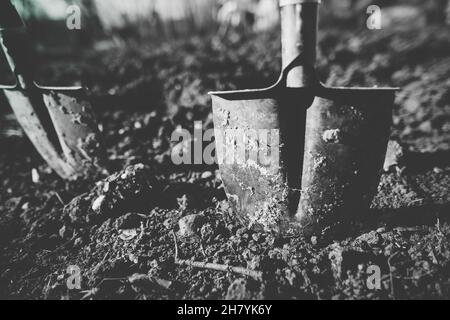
(175, 18)
(167, 54)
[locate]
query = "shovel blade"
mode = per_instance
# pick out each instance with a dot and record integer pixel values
(337, 136)
(60, 125)
(36, 128)
(76, 127)
(347, 132)
(260, 164)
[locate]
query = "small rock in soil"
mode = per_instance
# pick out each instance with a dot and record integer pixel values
(437, 170)
(98, 203)
(206, 175)
(35, 177)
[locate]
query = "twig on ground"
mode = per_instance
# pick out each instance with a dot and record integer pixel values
(56, 194)
(257, 275)
(176, 244)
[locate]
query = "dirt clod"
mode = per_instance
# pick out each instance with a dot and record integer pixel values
(191, 226)
(332, 136)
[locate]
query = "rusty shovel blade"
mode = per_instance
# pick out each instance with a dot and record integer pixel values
(23, 106)
(61, 126)
(338, 136)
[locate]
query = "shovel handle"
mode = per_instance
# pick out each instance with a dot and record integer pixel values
(299, 25)
(15, 44)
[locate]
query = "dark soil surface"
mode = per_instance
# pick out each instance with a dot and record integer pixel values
(118, 229)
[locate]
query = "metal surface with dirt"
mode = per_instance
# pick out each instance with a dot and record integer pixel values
(347, 133)
(337, 135)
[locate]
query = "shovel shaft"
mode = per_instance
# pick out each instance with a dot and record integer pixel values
(15, 44)
(299, 36)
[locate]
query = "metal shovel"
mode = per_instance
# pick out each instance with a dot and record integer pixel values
(58, 121)
(338, 136)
